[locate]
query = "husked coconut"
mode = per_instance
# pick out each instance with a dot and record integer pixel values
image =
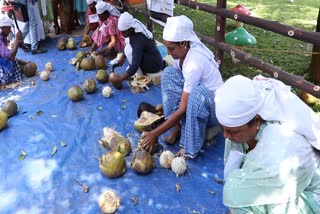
(166, 158)
(75, 93)
(3, 120)
(109, 202)
(10, 108)
(179, 165)
(45, 75)
(107, 91)
(90, 85)
(112, 164)
(49, 66)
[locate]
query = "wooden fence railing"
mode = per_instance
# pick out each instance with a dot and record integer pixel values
(221, 47)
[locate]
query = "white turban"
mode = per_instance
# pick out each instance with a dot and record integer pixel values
(5, 21)
(127, 21)
(90, 1)
(103, 6)
(240, 99)
(180, 28)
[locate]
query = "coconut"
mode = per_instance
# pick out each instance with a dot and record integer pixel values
(179, 165)
(10, 108)
(75, 93)
(109, 202)
(108, 134)
(81, 54)
(107, 91)
(116, 85)
(166, 158)
(30, 69)
(61, 44)
(147, 121)
(100, 62)
(308, 98)
(142, 162)
(154, 147)
(3, 119)
(49, 66)
(113, 164)
(71, 44)
(102, 76)
(45, 75)
(90, 85)
(87, 64)
(120, 144)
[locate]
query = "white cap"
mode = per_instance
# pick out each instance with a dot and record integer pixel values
(5, 21)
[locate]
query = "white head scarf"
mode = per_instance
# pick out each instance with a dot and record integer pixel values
(240, 99)
(90, 1)
(103, 6)
(180, 28)
(5, 21)
(127, 21)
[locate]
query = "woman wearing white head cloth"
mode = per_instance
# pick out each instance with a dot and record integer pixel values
(188, 88)
(92, 23)
(272, 148)
(107, 36)
(9, 65)
(140, 49)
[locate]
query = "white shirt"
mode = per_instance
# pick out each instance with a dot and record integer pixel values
(197, 69)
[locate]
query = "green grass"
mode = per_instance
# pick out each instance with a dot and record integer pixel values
(282, 52)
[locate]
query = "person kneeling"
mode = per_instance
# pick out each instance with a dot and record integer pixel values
(140, 50)
(9, 65)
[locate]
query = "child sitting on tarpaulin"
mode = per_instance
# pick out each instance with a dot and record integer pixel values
(107, 38)
(9, 65)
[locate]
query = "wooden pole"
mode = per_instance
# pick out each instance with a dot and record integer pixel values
(288, 31)
(219, 33)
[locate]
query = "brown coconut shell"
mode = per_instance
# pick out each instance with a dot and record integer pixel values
(88, 64)
(90, 85)
(117, 85)
(10, 108)
(61, 44)
(100, 62)
(30, 69)
(142, 162)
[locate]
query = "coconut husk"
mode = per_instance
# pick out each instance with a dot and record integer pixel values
(147, 121)
(153, 149)
(9, 86)
(139, 83)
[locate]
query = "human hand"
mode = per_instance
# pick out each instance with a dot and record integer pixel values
(149, 139)
(19, 35)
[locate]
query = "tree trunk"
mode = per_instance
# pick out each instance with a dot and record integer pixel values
(315, 60)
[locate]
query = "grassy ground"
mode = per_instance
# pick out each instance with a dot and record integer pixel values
(285, 53)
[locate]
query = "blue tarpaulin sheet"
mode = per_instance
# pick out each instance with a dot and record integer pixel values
(44, 182)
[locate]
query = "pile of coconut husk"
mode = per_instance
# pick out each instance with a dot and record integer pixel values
(139, 83)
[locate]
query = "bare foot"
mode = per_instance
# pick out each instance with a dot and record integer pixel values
(180, 153)
(173, 136)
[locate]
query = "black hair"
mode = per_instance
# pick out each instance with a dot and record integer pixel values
(144, 106)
